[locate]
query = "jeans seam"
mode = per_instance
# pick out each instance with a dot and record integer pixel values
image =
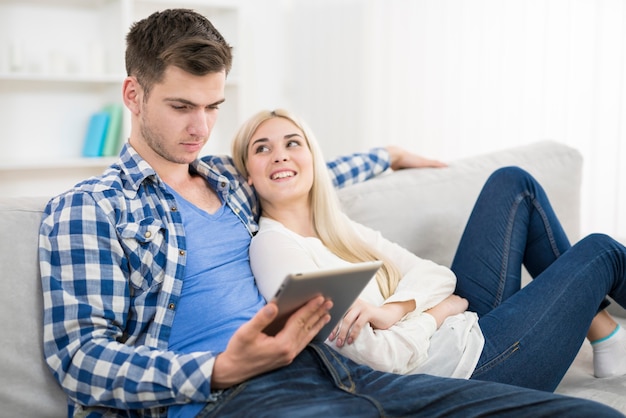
(499, 359)
(336, 378)
(546, 224)
(212, 408)
(331, 369)
(509, 233)
(507, 247)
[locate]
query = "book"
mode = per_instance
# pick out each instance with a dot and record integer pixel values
(95, 135)
(113, 139)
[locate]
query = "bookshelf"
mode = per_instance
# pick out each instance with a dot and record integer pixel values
(66, 64)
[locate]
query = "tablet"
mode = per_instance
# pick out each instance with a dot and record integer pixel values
(342, 285)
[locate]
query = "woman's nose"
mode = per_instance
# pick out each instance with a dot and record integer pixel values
(280, 155)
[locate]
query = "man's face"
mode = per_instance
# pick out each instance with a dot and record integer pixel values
(177, 118)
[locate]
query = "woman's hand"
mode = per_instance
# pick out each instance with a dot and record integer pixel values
(361, 313)
(452, 305)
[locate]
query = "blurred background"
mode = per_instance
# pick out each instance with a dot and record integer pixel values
(444, 78)
(453, 78)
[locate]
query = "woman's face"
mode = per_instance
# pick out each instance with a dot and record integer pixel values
(280, 163)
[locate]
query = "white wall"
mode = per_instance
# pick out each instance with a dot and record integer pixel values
(446, 78)
(453, 78)
(263, 47)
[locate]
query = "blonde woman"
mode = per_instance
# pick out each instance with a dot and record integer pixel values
(414, 317)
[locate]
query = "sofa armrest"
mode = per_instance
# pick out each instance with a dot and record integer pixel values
(30, 390)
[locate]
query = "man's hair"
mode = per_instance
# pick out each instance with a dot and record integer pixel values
(175, 37)
(331, 224)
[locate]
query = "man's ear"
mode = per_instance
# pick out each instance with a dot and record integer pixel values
(132, 94)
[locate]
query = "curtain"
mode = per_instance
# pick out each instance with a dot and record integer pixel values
(454, 78)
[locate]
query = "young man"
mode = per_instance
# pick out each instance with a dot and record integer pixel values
(150, 305)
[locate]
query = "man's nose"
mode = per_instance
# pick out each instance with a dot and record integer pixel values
(200, 125)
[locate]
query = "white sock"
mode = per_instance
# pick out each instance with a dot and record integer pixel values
(609, 354)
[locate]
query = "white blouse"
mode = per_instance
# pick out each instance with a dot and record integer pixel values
(413, 344)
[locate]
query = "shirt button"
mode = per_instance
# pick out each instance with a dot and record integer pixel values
(148, 234)
(236, 210)
(223, 184)
(181, 252)
(171, 306)
(173, 209)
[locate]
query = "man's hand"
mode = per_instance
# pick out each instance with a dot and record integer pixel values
(250, 352)
(401, 158)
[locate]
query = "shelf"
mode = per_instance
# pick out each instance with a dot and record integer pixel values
(61, 163)
(63, 78)
(51, 84)
(61, 3)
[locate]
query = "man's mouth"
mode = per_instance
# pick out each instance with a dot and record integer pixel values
(193, 145)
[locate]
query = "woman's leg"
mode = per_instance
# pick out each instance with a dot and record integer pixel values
(533, 336)
(608, 341)
(601, 326)
(512, 223)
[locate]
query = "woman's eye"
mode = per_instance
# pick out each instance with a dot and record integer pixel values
(261, 148)
(293, 143)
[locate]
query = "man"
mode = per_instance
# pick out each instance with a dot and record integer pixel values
(150, 305)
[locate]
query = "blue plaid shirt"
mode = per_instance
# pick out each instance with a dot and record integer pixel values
(112, 258)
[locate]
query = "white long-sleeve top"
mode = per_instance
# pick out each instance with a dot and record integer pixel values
(413, 344)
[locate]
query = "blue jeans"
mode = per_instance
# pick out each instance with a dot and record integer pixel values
(532, 334)
(321, 383)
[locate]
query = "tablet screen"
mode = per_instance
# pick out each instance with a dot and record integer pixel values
(342, 285)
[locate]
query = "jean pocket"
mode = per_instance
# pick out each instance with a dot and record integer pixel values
(486, 366)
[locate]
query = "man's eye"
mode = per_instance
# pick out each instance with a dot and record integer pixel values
(179, 107)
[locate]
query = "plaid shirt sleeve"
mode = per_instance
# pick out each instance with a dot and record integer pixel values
(89, 314)
(358, 167)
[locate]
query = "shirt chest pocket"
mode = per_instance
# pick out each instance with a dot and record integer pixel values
(145, 248)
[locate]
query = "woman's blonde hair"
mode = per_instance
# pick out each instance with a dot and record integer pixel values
(331, 224)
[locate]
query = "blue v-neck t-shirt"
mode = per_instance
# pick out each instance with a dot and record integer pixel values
(219, 293)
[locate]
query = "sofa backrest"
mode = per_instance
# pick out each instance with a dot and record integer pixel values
(425, 210)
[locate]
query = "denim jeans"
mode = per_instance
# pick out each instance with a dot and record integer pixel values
(532, 334)
(321, 383)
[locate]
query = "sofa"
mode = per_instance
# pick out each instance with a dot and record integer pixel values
(433, 205)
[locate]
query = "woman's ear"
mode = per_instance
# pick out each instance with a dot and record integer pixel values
(250, 181)
(131, 94)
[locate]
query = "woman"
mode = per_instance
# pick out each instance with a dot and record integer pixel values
(416, 312)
